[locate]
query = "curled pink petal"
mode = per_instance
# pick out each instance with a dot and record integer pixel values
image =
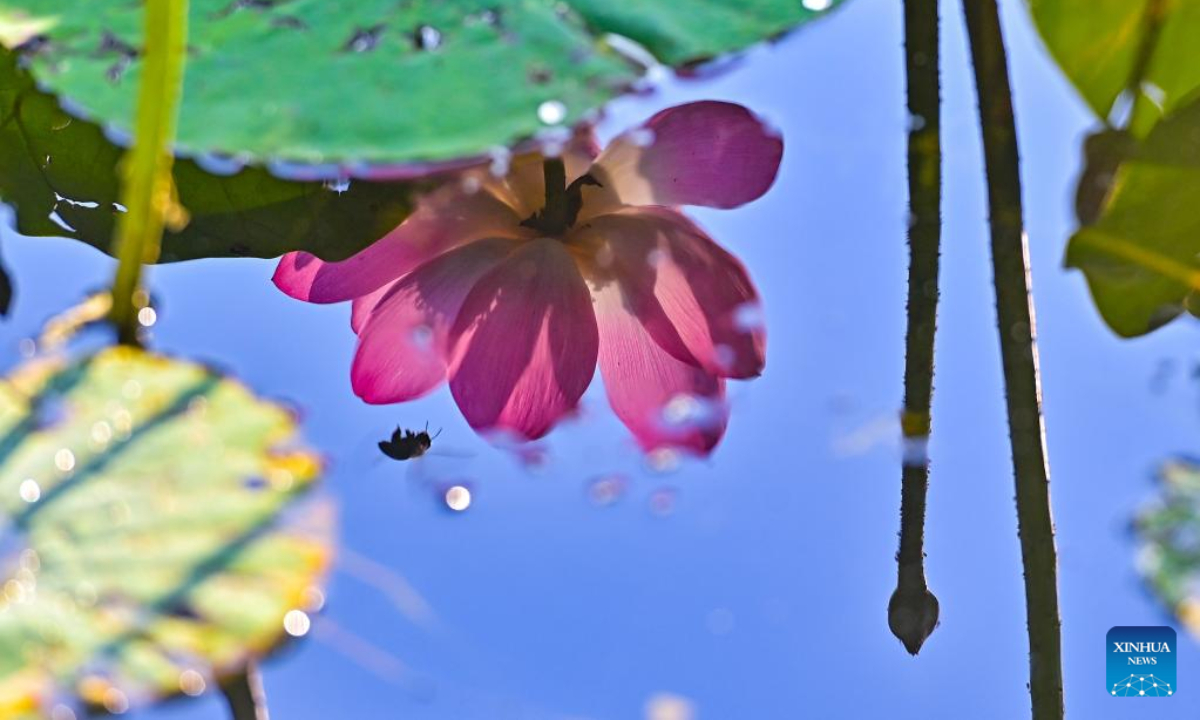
(663, 402)
(710, 153)
(402, 345)
(444, 219)
(695, 299)
(524, 346)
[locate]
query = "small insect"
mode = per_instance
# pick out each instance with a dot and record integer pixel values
(406, 444)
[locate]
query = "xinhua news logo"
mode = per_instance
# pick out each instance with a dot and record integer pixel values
(1141, 661)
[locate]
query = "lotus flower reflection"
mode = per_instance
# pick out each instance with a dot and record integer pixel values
(514, 293)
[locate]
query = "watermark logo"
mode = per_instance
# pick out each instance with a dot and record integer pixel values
(1141, 661)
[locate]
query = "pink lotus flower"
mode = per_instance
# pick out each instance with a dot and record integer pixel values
(515, 294)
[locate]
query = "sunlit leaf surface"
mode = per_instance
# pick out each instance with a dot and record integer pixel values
(1169, 531)
(1141, 255)
(382, 81)
(1097, 44)
(60, 174)
(153, 540)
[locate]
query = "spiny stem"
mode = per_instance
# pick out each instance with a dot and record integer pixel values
(146, 169)
(913, 610)
(245, 695)
(1010, 263)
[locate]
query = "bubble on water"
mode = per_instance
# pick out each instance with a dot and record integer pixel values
(501, 158)
(471, 184)
(663, 460)
(191, 683)
(422, 337)
(27, 347)
(552, 141)
(338, 185)
(64, 460)
(30, 491)
(312, 599)
(915, 451)
(427, 37)
(296, 623)
(102, 432)
(915, 122)
(457, 498)
(132, 389)
(749, 317)
(663, 500)
(607, 489)
(115, 701)
(62, 712)
(666, 706)
(147, 317)
(656, 257)
(552, 112)
(642, 137)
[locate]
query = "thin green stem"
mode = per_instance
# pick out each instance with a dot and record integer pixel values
(913, 609)
(245, 695)
(146, 169)
(1015, 316)
(1152, 18)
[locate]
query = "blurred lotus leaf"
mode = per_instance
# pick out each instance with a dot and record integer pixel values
(153, 540)
(380, 81)
(1169, 531)
(1102, 45)
(1141, 255)
(61, 175)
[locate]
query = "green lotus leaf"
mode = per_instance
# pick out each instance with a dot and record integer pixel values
(155, 536)
(380, 81)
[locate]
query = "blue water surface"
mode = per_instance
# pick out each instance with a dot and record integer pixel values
(753, 585)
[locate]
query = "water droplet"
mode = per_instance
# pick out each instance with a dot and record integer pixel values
(102, 433)
(132, 389)
(427, 37)
(817, 5)
(27, 347)
(338, 185)
(147, 317)
(115, 701)
(62, 712)
(471, 184)
(607, 489)
(364, 39)
(457, 498)
(313, 599)
(296, 623)
(501, 159)
(915, 122)
(749, 317)
(30, 491)
(64, 460)
(725, 356)
(422, 337)
(552, 112)
(665, 706)
(191, 683)
(552, 141)
(656, 257)
(642, 137)
(662, 501)
(663, 460)
(915, 451)
(681, 409)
